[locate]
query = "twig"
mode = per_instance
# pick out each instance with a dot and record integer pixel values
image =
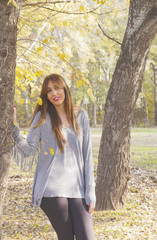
(113, 39)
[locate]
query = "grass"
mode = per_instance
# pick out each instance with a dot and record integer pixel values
(144, 130)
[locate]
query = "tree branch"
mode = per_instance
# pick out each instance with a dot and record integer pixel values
(46, 2)
(113, 39)
(65, 12)
(35, 40)
(38, 55)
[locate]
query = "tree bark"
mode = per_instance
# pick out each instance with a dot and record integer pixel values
(113, 164)
(94, 112)
(144, 112)
(155, 94)
(8, 38)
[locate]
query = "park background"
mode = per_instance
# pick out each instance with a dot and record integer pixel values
(85, 53)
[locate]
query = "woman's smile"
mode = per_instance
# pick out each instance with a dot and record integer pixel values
(56, 98)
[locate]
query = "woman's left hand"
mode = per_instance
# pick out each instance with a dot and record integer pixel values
(91, 207)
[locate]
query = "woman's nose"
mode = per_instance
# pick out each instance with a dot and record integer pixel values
(54, 92)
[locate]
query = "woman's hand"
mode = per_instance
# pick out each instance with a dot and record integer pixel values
(14, 115)
(91, 207)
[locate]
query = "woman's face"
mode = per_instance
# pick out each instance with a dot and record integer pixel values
(55, 93)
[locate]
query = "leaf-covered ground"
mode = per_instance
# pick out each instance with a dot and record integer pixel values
(137, 220)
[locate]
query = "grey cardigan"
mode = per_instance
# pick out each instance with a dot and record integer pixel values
(39, 144)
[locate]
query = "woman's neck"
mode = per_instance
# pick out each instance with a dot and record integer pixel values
(60, 109)
(61, 112)
(63, 116)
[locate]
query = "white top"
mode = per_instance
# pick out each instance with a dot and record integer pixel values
(65, 177)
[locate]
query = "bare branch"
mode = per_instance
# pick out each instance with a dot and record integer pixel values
(34, 40)
(43, 3)
(65, 12)
(41, 57)
(26, 20)
(36, 64)
(113, 39)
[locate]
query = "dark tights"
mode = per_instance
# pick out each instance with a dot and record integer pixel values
(69, 217)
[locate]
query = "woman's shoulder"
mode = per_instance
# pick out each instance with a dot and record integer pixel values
(38, 114)
(42, 120)
(77, 110)
(80, 112)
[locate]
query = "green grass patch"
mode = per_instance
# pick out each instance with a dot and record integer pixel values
(145, 157)
(144, 130)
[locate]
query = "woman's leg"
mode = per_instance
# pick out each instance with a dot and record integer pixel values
(81, 218)
(56, 209)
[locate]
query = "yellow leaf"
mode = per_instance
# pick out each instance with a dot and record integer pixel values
(14, 3)
(79, 83)
(51, 151)
(14, 123)
(39, 73)
(45, 41)
(46, 153)
(92, 98)
(85, 17)
(40, 101)
(28, 102)
(65, 23)
(9, 2)
(82, 8)
(62, 56)
(21, 101)
(127, 2)
(39, 49)
(32, 95)
(23, 88)
(73, 76)
(98, 1)
(39, 149)
(89, 91)
(24, 132)
(42, 142)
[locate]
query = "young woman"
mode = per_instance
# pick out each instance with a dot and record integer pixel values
(63, 184)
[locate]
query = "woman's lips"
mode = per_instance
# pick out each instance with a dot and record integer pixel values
(56, 98)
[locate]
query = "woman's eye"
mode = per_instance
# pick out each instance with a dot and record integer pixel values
(56, 88)
(48, 90)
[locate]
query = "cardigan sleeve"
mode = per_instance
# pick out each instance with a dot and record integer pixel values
(88, 161)
(24, 151)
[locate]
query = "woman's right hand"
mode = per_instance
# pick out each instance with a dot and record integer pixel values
(14, 115)
(91, 207)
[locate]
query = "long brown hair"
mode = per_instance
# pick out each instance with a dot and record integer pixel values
(47, 106)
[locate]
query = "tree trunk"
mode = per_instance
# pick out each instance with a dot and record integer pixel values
(8, 38)
(144, 112)
(113, 163)
(155, 94)
(94, 112)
